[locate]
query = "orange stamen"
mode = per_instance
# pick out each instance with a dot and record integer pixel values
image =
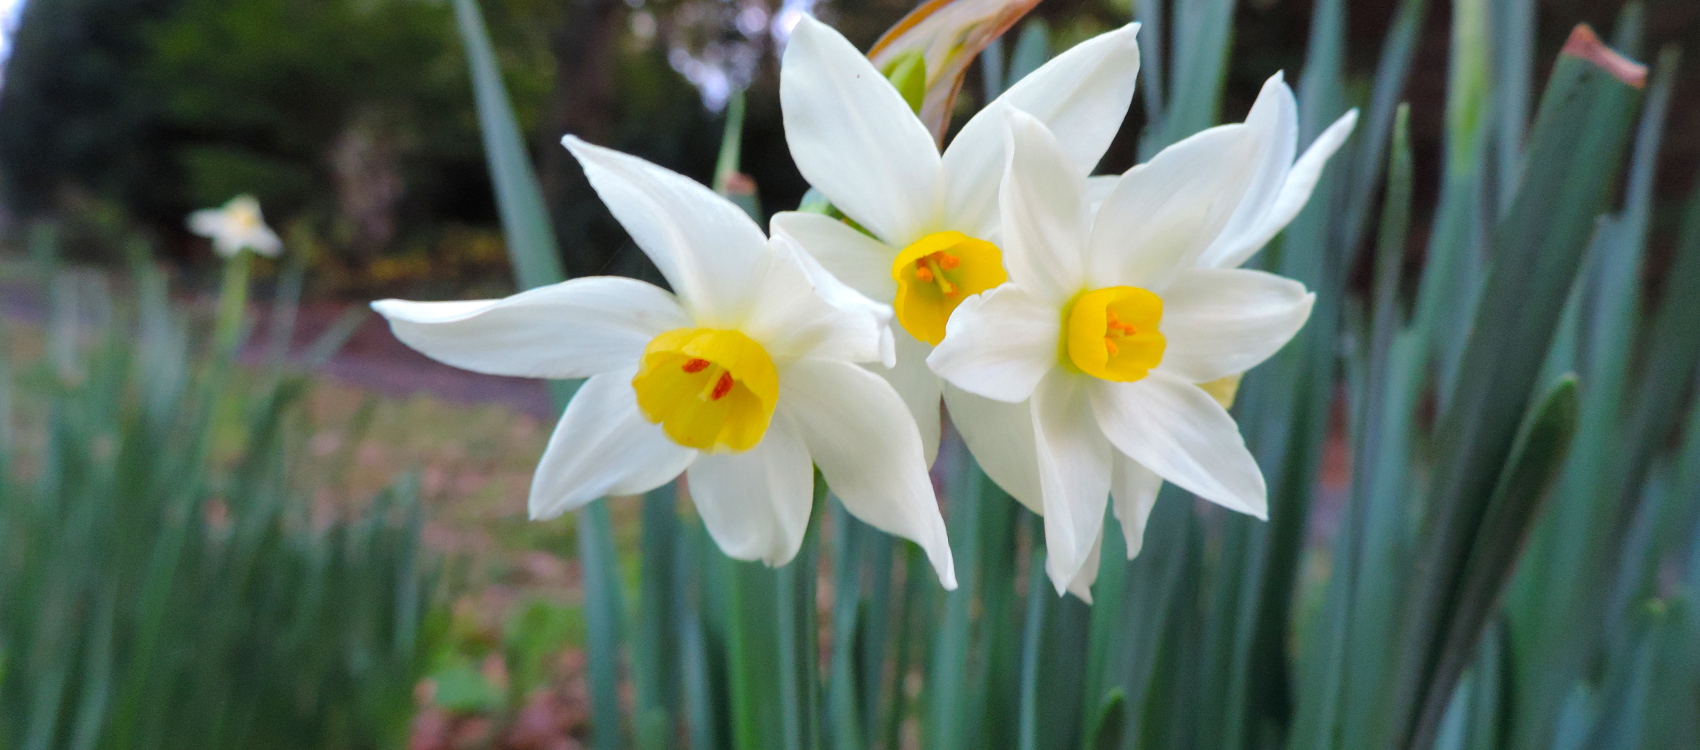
(694, 366)
(722, 386)
(934, 272)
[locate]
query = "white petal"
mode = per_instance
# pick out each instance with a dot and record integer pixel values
(865, 442)
(1097, 189)
(856, 259)
(1274, 123)
(1000, 435)
(1043, 204)
(603, 446)
(1223, 322)
(263, 240)
(1082, 95)
(1081, 586)
(1295, 193)
(756, 503)
(707, 247)
(573, 329)
(801, 314)
(1074, 473)
(1133, 492)
(1167, 210)
(1177, 430)
(854, 138)
(208, 222)
(998, 344)
(918, 386)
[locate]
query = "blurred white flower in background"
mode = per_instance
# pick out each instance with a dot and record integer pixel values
(10, 10)
(236, 226)
(718, 45)
(790, 12)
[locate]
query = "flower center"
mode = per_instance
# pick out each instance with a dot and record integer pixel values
(709, 389)
(935, 274)
(245, 217)
(1112, 334)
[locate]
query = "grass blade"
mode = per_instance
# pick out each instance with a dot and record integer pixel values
(1514, 31)
(655, 654)
(1203, 30)
(947, 695)
(1032, 49)
(843, 715)
(603, 604)
(1510, 512)
(1574, 153)
(1149, 13)
(525, 221)
(1392, 71)
(1032, 632)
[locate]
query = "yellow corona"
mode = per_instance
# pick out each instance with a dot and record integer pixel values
(1112, 334)
(711, 390)
(934, 275)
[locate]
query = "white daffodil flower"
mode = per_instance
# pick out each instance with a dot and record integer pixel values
(743, 378)
(236, 226)
(1279, 188)
(1089, 362)
(931, 220)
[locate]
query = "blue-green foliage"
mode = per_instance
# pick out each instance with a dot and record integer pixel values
(1510, 391)
(152, 597)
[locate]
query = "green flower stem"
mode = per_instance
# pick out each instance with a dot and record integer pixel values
(232, 304)
(1032, 631)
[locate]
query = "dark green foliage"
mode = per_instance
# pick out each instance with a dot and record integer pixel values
(72, 107)
(340, 110)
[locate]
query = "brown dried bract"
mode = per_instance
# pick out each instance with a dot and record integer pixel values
(1584, 44)
(950, 33)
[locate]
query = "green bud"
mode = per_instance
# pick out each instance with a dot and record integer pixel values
(909, 74)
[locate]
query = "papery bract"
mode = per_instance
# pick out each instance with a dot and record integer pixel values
(944, 36)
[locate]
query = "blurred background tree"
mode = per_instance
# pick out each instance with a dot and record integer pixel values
(353, 119)
(354, 115)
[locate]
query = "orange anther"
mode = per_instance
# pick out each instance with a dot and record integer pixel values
(722, 386)
(950, 262)
(694, 365)
(1110, 346)
(1114, 323)
(924, 274)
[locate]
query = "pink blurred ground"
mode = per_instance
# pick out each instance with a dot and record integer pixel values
(373, 359)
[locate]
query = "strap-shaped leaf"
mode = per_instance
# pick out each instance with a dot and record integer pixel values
(1574, 156)
(1111, 723)
(1511, 511)
(519, 199)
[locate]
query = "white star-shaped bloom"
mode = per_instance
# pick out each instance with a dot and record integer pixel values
(236, 226)
(926, 233)
(1082, 374)
(744, 378)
